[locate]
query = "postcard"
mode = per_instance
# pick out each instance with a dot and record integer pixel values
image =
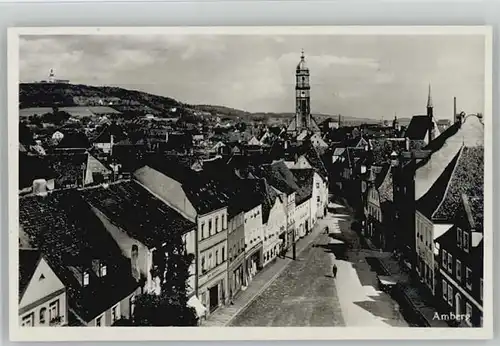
(235, 183)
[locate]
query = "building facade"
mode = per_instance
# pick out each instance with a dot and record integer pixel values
(42, 299)
(236, 253)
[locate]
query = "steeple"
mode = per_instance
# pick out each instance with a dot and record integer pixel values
(429, 98)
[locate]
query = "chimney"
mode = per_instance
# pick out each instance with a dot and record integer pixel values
(454, 110)
(40, 187)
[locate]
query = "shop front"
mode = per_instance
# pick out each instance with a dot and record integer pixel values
(236, 275)
(213, 289)
(253, 263)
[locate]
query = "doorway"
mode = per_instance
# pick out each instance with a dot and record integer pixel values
(214, 297)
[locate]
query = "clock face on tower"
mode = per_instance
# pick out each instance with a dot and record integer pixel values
(302, 94)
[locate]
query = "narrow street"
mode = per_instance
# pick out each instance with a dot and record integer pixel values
(306, 294)
(361, 301)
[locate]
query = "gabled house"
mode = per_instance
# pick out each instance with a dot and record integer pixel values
(254, 141)
(283, 182)
(436, 209)
(75, 244)
(375, 229)
(145, 229)
(42, 295)
(76, 169)
(199, 200)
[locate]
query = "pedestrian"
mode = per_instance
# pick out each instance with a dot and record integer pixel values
(334, 270)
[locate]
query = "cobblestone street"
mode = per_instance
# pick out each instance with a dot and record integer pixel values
(305, 294)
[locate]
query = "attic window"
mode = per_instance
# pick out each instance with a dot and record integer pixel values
(86, 278)
(41, 277)
(103, 270)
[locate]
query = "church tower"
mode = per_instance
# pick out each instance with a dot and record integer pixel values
(430, 115)
(302, 96)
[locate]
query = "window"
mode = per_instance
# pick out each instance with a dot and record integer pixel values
(317, 185)
(481, 289)
(202, 230)
(468, 278)
(445, 290)
(216, 257)
(131, 305)
(466, 242)
(445, 259)
(209, 227)
(450, 295)
(223, 219)
(86, 278)
(450, 263)
(53, 310)
(317, 199)
(43, 313)
(115, 313)
(223, 254)
(468, 312)
(28, 320)
(459, 237)
(99, 321)
(102, 270)
(458, 270)
(216, 224)
(203, 264)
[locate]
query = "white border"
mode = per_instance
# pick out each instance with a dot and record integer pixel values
(246, 333)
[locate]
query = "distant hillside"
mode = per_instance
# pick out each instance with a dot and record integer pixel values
(136, 103)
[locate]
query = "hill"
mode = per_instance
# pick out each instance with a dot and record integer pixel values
(132, 103)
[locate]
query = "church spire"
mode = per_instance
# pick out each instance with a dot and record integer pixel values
(429, 98)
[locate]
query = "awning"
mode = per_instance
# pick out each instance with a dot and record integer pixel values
(195, 303)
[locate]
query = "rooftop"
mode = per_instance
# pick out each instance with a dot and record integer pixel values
(444, 149)
(304, 179)
(463, 175)
(138, 212)
(72, 239)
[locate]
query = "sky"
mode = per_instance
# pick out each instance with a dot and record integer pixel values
(368, 76)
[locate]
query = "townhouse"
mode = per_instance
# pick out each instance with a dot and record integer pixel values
(199, 200)
(303, 201)
(375, 228)
(274, 218)
(254, 230)
(283, 182)
(436, 209)
(83, 255)
(461, 266)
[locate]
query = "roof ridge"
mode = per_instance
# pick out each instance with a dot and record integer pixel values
(460, 152)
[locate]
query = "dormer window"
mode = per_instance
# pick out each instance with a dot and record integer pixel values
(103, 270)
(86, 278)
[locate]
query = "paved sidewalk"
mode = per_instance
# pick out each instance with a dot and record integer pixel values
(224, 314)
